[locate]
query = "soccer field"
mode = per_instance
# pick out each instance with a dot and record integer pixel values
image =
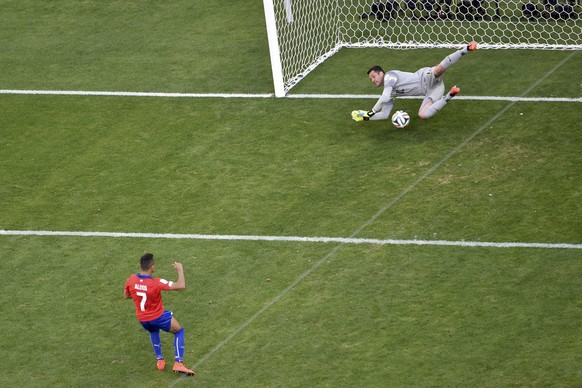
(317, 251)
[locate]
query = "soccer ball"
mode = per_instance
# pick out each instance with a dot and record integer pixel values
(400, 119)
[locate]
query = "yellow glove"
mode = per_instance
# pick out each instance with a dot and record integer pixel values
(362, 115)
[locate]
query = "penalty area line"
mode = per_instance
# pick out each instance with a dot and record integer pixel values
(338, 240)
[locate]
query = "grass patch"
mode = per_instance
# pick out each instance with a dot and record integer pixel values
(348, 315)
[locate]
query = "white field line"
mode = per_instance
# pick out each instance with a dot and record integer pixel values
(339, 240)
(269, 95)
(471, 98)
(134, 94)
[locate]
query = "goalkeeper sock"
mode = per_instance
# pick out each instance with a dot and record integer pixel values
(453, 58)
(436, 107)
(157, 344)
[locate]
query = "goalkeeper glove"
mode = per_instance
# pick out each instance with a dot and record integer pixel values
(362, 115)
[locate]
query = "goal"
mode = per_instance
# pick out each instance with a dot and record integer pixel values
(304, 33)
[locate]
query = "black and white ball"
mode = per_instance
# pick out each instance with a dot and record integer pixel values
(400, 119)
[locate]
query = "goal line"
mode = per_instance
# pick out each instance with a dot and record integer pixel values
(267, 95)
(338, 240)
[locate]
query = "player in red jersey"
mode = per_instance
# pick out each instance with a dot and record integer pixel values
(146, 292)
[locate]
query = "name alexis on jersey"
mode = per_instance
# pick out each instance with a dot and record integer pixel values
(141, 287)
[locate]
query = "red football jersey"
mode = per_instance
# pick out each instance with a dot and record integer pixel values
(146, 292)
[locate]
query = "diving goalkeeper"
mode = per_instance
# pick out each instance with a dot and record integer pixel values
(427, 82)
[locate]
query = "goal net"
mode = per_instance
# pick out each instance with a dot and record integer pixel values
(304, 33)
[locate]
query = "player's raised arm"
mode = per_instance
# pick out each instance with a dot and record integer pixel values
(179, 284)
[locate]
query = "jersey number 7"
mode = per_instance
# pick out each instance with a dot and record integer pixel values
(144, 297)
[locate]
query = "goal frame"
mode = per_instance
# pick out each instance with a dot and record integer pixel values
(283, 84)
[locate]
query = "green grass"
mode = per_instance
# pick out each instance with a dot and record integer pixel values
(334, 315)
(186, 46)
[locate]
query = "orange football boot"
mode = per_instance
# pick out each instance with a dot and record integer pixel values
(180, 368)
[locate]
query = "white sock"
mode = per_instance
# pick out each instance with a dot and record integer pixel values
(453, 58)
(436, 107)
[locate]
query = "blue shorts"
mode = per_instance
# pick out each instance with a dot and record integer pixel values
(163, 322)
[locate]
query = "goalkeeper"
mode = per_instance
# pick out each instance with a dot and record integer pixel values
(427, 82)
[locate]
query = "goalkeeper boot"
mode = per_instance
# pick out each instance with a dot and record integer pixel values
(161, 364)
(454, 91)
(180, 368)
(472, 46)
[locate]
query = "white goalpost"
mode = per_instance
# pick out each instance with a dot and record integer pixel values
(304, 33)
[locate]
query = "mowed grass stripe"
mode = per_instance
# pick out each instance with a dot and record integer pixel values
(407, 190)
